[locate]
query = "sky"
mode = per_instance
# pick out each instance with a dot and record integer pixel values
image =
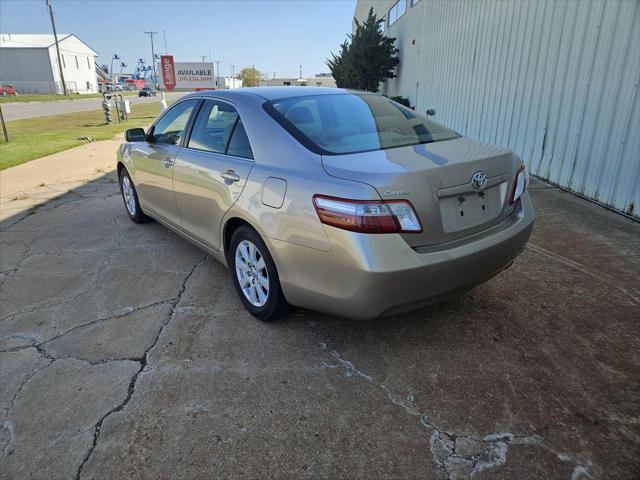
(275, 36)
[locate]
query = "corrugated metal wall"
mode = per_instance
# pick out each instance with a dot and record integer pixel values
(556, 81)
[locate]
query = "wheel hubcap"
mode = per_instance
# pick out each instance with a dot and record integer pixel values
(127, 193)
(252, 274)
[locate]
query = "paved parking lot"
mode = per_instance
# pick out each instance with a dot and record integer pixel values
(126, 354)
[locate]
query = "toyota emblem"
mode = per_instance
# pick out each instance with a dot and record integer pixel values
(478, 180)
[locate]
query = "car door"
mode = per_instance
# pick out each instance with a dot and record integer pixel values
(211, 171)
(154, 161)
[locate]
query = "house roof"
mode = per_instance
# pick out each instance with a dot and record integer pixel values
(36, 40)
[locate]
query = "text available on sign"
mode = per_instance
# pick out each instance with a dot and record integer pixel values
(186, 75)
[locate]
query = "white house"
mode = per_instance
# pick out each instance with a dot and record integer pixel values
(29, 63)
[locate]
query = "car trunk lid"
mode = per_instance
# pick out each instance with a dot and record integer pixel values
(437, 179)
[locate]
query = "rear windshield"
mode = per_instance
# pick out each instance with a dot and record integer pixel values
(354, 122)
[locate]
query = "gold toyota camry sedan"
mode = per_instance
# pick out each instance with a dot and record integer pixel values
(339, 201)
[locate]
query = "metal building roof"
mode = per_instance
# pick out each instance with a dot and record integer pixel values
(36, 40)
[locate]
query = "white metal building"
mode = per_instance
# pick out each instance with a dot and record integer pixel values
(29, 63)
(317, 81)
(556, 81)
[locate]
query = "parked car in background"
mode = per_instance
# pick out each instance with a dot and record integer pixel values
(147, 92)
(8, 90)
(339, 201)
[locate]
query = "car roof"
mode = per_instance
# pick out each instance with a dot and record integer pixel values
(270, 93)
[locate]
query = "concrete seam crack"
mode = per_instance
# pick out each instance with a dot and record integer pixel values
(128, 312)
(444, 444)
(6, 425)
(143, 365)
(36, 208)
(630, 292)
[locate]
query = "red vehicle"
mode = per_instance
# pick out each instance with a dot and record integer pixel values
(134, 83)
(8, 90)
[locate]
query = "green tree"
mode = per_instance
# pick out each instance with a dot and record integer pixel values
(340, 66)
(366, 58)
(250, 77)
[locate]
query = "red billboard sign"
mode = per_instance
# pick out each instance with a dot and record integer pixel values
(168, 71)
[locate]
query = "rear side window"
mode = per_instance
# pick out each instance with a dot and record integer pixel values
(355, 122)
(170, 128)
(239, 145)
(213, 127)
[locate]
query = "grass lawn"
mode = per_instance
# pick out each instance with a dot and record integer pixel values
(53, 98)
(33, 138)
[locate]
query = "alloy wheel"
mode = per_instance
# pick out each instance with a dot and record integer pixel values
(129, 196)
(252, 274)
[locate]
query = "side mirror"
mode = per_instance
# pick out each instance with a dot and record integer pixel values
(431, 112)
(135, 135)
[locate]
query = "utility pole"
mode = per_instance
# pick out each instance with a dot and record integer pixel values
(203, 57)
(153, 59)
(115, 57)
(55, 36)
(218, 68)
(300, 72)
(233, 71)
(164, 35)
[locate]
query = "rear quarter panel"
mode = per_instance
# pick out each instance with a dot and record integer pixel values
(278, 154)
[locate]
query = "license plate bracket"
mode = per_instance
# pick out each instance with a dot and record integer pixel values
(470, 209)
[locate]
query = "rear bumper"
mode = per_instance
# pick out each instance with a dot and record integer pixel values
(366, 276)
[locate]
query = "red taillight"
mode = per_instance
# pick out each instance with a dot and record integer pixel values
(367, 216)
(519, 185)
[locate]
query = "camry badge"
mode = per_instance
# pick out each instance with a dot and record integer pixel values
(478, 180)
(395, 193)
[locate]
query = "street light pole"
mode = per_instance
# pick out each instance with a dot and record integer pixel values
(55, 36)
(153, 59)
(115, 57)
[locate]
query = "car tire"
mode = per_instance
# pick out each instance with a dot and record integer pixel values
(251, 270)
(130, 198)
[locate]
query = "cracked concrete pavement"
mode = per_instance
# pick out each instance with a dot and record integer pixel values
(125, 353)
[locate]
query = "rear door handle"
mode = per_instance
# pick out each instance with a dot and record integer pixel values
(167, 161)
(230, 176)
